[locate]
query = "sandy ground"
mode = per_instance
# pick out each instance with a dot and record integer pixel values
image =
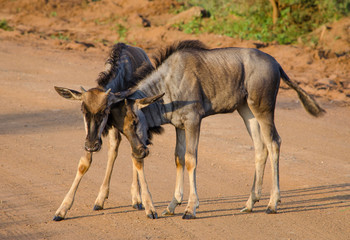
(41, 141)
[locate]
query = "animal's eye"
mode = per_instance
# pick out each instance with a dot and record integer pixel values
(87, 114)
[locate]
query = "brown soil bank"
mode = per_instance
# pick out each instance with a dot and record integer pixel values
(93, 26)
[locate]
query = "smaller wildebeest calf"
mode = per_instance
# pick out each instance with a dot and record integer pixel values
(97, 108)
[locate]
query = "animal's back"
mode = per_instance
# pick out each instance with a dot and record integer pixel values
(221, 79)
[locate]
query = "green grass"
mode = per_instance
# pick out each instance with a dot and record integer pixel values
(4, 25)
(60, 36)
(252, 19)
(121, 30)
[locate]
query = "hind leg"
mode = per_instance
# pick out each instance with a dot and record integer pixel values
(273, 142)
(260, 155)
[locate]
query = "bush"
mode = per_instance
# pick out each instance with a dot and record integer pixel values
(253, 19)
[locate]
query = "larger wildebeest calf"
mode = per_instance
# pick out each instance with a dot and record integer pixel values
(199, 82)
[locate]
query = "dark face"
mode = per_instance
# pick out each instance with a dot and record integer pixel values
(127, 116)
(126, 122)
(134, 125)
(94, 126)
(130, 129)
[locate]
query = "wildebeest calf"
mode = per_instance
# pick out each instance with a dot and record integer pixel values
(199, 82)
(97, 105)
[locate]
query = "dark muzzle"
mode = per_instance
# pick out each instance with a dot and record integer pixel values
(140, 152)
(93, 146)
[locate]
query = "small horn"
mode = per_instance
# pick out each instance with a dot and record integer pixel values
(82, 89)
(108, 91)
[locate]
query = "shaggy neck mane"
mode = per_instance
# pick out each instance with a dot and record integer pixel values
(163, 54)
(113, 61)
(178, 46)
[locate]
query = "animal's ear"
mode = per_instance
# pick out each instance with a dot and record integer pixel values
(68, 93)
(144, 102)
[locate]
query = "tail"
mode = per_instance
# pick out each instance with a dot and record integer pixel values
(308, 102)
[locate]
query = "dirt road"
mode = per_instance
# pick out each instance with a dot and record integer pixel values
(41, 141)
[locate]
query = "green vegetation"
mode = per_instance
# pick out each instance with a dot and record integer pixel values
(60, 36)
(252, 19)
(4, 25)
(121, 30)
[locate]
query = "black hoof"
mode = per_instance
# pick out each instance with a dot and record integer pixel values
(97, 208)
(58, 218)
(188, 215)
(270, 211)
(138, 206)
(153, 215)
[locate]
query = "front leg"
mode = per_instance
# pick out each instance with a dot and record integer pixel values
(180, 166)
(83, 167)
(135, 190)
(146, 195)
(113, 145)
(192, 138)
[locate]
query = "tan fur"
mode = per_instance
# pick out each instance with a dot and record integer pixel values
(95, 100)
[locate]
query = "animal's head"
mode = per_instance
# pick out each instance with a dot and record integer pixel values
(127, 116)
(133, 124)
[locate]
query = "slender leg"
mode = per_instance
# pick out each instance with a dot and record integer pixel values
(180, 150)
(273, 143)
(192, 139)
(135, 190)
(260, 156)
(114, 141)
(146, 195)
(84, 164)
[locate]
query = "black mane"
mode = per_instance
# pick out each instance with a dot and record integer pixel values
(163, 54)
(154, 130)
(143, 71)
(113, 59)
